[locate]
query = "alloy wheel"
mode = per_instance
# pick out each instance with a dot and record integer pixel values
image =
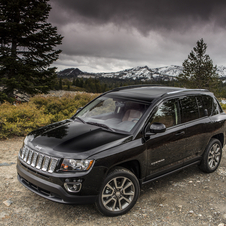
(118, 194)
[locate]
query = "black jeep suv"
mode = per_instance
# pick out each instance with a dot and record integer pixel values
(123, 139)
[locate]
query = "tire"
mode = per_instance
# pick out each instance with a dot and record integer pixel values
(212, 156)
(119, 193)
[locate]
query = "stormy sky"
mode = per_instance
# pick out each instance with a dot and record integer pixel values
(112, 35)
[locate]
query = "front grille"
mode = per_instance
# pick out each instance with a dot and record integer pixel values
(37, 160)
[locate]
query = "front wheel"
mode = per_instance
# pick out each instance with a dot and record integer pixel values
(119, 193)
(212, 156)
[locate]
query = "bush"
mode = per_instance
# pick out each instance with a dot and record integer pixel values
(39, 111)
(223, 106)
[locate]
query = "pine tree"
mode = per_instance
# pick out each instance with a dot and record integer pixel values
(27, 47)
(60, 84)
(198, 69)
(73, 83)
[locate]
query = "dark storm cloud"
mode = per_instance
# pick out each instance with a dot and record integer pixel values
(145, 15)
(111, 35)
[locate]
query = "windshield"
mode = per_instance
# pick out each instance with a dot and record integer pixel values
(113, 113)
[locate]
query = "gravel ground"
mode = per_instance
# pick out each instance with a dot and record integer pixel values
(188, 197)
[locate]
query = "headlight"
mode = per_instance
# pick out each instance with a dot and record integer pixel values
(76, 165)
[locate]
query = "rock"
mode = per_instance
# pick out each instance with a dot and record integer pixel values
(191, 212)
(224, 216)
(8, 202)
(7, 164)
(221, 224)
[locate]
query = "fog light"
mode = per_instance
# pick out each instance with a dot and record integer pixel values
(73, 186)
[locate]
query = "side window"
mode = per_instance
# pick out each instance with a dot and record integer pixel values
(208, 102)
(201, 107)
(216, 107)
(167, 113)
(189, 109)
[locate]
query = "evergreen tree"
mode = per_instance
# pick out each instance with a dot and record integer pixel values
(27, 47)
(77, 82)
(198, 69)
(73, 83)
(81, 83)
(60, 84)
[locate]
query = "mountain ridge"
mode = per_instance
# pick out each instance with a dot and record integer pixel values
(143, 73)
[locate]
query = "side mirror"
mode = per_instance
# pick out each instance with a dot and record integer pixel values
(157, 127)
(154, 128)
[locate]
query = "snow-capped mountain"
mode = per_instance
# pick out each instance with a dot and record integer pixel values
(146, 73)
(166, 73)
(221, 71)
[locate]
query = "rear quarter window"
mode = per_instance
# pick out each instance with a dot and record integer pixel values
(216, 107)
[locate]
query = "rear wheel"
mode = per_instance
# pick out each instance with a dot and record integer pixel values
(212, 156)
(119, 193)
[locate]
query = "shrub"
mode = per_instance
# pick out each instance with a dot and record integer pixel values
(39, 111)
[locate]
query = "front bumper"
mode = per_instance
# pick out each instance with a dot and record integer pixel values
(49, 190)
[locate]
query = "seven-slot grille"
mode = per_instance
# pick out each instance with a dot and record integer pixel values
(38, 160)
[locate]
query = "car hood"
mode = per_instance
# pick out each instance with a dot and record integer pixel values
(73, 139)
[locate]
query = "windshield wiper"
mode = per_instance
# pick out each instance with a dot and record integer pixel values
(101, 125)
(79, 119)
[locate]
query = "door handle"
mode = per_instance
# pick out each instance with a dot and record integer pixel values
(180, 133)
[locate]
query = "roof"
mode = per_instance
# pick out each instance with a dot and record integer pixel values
(150, 92)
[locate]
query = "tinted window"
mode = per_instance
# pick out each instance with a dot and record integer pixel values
(216, 109)
(189, 109)
(208, 102)
(201, 107)
(167, 113)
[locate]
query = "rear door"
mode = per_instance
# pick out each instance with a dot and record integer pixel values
(194, 116)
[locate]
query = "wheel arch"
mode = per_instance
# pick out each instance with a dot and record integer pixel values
(220, 137)
(133, 166)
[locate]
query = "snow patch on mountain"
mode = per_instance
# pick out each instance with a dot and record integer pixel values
(166, 73)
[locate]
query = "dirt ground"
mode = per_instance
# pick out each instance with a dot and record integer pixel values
(189, 197)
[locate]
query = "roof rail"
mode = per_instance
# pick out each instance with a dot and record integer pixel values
(136, 86)
(185, 90)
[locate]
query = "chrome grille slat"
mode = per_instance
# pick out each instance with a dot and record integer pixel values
(45, 163)
(34, 160)
(52, 165)
(29, 157)
(22, 152)
(26, 154)
(39, 161)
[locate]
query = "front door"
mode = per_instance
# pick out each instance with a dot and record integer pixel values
(165, 150)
